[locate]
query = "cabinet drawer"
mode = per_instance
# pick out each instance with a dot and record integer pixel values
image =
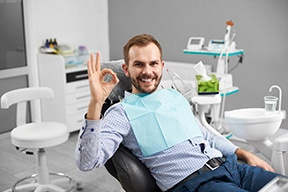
(81, 107)
(77, 97)
(76, 76)
(82, 85)
(75, 122)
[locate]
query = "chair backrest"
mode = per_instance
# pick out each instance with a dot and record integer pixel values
(133, 175)
(21, 97)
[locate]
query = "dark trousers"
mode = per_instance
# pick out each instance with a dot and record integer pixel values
(231, 177)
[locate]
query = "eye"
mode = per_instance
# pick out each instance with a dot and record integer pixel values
(138, 64)
(153, 63)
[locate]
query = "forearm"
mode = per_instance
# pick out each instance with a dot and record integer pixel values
(99, 139)
(242, 154)
(87, 149)
(94, 110)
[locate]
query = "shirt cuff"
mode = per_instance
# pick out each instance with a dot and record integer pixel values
(90, 126)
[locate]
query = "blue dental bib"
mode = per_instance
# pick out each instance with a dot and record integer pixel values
(160, 120)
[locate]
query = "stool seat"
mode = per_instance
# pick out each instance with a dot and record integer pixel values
(39, 135)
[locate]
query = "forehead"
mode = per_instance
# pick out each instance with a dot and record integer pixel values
(144, 53)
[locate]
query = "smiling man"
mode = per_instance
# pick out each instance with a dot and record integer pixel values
(159, 128)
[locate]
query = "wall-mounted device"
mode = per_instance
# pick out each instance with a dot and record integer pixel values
(195, 43)
(216, 45)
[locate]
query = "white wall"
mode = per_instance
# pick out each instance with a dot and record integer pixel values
(73, 22)
(69, 21)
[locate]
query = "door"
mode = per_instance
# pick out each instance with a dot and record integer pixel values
(13, 65)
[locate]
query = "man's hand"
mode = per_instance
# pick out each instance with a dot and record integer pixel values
(99, 88)
(252, 159)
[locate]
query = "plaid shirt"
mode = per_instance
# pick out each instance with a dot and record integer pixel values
(98, 141)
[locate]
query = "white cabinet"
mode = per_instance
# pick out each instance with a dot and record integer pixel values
(71, 91)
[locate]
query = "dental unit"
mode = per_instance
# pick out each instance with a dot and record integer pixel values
(256, 126)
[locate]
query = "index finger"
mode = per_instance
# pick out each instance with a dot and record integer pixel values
(98, 61)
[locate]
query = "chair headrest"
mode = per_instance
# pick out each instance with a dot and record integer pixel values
(124, 81)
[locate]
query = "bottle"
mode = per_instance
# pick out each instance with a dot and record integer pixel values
(47, 43)
(55, 44)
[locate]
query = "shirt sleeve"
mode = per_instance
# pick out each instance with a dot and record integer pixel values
(99, 139)
(88, 139)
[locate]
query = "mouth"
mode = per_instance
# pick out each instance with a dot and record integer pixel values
(147, 80)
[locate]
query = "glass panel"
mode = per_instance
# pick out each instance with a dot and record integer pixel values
(12, 48)
(8, 116)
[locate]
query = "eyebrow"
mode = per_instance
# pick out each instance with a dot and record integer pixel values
(153, 61)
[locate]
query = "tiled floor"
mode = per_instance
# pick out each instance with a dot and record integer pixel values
(15, 165)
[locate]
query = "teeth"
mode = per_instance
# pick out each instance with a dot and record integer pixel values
(146, 80)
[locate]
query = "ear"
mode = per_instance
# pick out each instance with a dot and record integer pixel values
(125, 68)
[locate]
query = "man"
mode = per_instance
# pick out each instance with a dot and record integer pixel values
(159, 128)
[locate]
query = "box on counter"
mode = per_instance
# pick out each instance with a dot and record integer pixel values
(207, 87)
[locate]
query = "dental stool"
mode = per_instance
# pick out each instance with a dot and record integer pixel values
(36, 136)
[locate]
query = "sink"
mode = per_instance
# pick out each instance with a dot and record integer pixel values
(253, 123)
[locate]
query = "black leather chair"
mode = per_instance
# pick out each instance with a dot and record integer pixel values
(132, 174)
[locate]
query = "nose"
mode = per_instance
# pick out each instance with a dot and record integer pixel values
(147, 70)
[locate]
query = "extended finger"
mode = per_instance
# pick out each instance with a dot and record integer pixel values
(98, 60)
(91, 67)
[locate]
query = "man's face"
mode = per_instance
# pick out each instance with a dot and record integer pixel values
(144, 68)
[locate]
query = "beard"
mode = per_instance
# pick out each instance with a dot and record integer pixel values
(136, 84)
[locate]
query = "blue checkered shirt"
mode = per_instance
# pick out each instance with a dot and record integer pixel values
(98, 140)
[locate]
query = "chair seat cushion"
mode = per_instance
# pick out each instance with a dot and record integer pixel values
(39, 135)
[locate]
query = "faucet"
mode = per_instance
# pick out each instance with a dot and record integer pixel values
(280, 95)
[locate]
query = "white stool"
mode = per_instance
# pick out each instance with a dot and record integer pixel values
(36, 136)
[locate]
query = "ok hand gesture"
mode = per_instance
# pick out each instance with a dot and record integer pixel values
(99, 88)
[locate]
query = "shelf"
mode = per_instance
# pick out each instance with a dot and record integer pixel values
(213, 53)
(229, 91)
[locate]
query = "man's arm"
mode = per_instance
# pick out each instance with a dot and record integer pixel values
(87, 148)
(252, 159)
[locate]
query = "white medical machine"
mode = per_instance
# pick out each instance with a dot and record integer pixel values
(195, 43)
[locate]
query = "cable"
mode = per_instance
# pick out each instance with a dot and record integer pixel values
(238, 63)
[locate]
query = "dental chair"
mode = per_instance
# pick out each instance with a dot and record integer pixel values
(33, 138)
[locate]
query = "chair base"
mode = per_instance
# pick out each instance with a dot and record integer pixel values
(37, 187)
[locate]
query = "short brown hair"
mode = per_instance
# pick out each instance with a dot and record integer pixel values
(141, 41)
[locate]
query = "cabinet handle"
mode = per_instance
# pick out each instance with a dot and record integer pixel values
(82, 97)
(82, 86)
(84, 107)
(81, 76)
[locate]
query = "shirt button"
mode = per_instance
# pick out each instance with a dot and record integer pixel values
(92, 130)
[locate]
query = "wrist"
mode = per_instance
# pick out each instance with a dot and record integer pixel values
(94, 110)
